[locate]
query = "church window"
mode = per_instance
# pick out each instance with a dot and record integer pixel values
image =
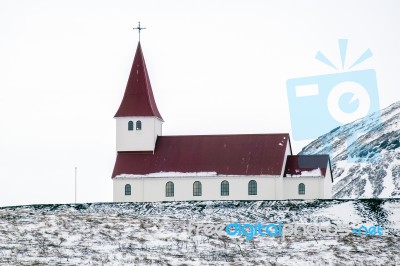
(139, 125)
(302, 189)
(252, 187)
(169, 189)
(197, 188)
(224, 188)
(128, 190)
(130, 125)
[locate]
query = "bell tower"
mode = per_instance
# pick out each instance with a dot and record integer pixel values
(138, 121)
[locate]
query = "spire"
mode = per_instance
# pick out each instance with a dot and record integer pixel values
(139, 29)
(138, 98)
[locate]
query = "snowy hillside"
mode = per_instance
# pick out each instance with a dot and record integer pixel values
(365, 155)
(158, 233)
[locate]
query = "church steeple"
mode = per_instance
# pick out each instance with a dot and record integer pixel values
(139, 122)
(138, 98)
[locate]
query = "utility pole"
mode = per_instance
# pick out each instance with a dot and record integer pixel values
(76, 172)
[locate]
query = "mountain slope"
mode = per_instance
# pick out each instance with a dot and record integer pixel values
(365, 155)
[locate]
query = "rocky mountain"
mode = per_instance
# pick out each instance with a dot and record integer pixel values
(365, 155)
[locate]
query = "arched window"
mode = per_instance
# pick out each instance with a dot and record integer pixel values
(169, 189)
(139, 125)
(197, 188)
(302, 189)
(128, 190)
(224, 188)
(130, 125)
(252, 187)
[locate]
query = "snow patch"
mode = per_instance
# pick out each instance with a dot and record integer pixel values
(169, 174)
(299, 173)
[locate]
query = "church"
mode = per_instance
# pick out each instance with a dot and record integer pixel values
(151, 167)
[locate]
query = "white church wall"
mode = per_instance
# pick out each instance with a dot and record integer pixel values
(327, 188)
(137, 140)
(313, 187)
(183, 188)
(157, 129)
(279, 188)
(119, 190)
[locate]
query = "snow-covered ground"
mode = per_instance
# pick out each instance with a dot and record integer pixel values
(158, 233)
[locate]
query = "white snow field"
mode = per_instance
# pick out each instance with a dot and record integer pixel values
(158, 233)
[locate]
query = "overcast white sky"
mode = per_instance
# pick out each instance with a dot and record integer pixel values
(216, 67)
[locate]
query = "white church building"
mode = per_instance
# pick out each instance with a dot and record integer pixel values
(151, 167)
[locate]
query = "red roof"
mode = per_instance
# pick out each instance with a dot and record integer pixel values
(138, 98)
(296, 164)
(261, 154)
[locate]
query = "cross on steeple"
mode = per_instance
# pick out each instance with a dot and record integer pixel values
(139, 29)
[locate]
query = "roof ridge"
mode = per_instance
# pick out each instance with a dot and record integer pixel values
(223, 135)
(308, 155)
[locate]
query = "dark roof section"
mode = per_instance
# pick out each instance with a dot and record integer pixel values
(260, 154)
(138, 98)
(295, 164)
